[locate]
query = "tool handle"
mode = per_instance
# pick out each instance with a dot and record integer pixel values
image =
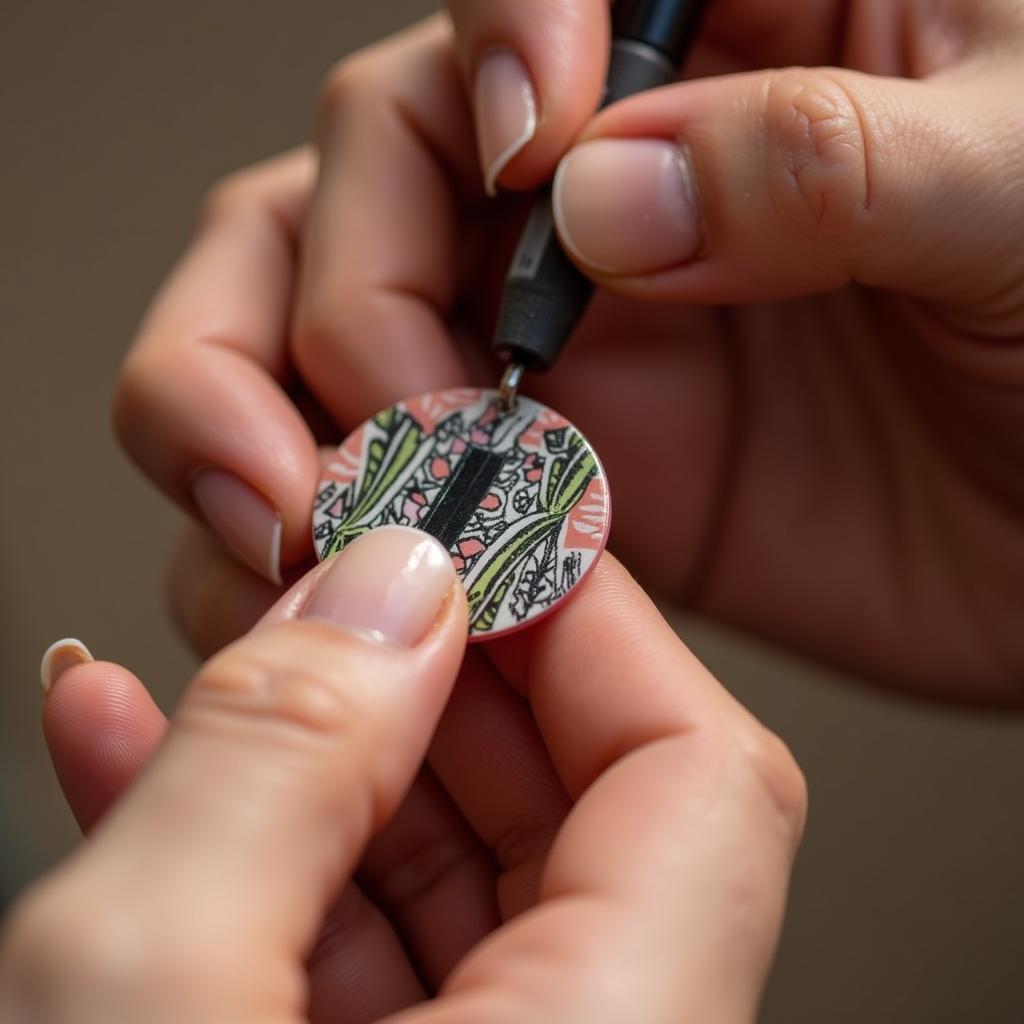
(545, 295)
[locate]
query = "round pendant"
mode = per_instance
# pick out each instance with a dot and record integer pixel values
(517, 496)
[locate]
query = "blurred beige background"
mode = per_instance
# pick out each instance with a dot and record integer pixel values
(908, 896)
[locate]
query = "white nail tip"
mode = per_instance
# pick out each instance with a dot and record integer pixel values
(507, 155)
(68, 649)
(274, 562)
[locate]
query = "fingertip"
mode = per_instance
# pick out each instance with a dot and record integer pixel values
(219, 435)
(536, 72)
(96, 704)
(101, 726)
(628, 208)
(725, 191)
(292, 489)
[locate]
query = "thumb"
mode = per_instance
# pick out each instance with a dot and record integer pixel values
(536, 71)
(786, 183)
(289, 750)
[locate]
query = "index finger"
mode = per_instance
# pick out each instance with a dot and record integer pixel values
(536, 68)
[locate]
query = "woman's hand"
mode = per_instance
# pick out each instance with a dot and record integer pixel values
(600, 833)
(804, 374)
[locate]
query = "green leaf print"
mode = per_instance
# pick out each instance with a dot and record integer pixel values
(402, 439)
(569, 476)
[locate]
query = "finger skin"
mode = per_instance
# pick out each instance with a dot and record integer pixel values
(777, 33)
(491, 758)
(808, 179)
(101, 727)
(596, 640)
(359, 971)
(434, 879)
(287, 752)
(651, 885)
(564, 45)
(427, 869)
(381, 252)
(258, 718)
(202, 386)
(663, 895)
(214, 598)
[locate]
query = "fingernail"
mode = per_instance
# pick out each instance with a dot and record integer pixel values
(505, 110)
(242, 519)
(627, 206)
(59, 657)
(390, 583)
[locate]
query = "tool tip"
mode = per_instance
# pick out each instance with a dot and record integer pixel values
(509, 386)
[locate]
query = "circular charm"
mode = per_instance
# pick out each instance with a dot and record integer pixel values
(517, 496)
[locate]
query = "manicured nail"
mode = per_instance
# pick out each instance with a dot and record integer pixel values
(391, 583)
(242, 519)
(627, 206)
(59, 657)
(506, 112)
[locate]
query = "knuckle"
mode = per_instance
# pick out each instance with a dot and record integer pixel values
(317, 338)
(774, 769)
(818, 151)
(134, 400)
(227, 197)
(328, 332)
(238, 691)
(344, 84)
(381, 72)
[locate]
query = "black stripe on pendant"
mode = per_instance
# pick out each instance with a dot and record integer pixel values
(468, 485)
